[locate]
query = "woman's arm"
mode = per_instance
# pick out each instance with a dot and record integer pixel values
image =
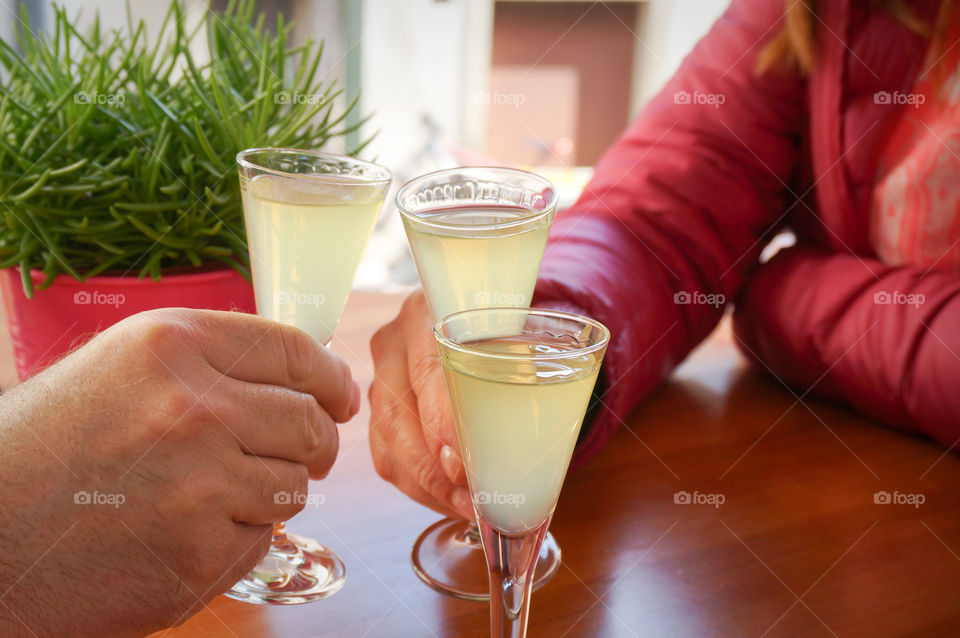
(885, 340)
(673, 221)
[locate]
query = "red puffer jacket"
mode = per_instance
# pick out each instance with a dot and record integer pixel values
(680, 207)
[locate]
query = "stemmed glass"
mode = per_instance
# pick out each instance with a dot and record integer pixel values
(520, 382)
(477, 235)
(308, 216)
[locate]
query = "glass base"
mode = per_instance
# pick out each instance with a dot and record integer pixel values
(296, 570)
(448, 556)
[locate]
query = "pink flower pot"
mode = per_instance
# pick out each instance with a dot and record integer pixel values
(69, 312)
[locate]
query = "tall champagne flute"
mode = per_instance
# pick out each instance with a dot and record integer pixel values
(309, 216)
(477, 236)
(520, 381)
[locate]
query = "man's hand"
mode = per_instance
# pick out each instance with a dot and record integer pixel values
(413, 439)
(138, 476)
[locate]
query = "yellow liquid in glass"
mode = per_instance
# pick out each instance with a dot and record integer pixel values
(473, 266)
(306, 240)
(518, 422)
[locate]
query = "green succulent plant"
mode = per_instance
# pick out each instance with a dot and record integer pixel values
(117, 155)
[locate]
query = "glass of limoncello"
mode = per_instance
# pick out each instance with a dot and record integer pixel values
(308, 216)
(477, 235)
(520, 382)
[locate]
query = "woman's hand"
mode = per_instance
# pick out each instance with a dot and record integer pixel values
(413, 438)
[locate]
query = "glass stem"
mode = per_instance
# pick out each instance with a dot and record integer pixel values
(473, 534)
(511, 561)
(279, 535)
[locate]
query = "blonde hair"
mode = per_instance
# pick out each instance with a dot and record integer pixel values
(793, 48)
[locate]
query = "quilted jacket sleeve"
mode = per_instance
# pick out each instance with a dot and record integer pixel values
(673, 220)
(885, 340)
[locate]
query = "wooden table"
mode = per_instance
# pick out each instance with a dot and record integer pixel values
(797, 548)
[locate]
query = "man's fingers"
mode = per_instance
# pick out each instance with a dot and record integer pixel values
(253, 349)
(249, 543)
(271, 421)
(272, 490)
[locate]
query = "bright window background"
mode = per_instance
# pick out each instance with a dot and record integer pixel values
(539, 85)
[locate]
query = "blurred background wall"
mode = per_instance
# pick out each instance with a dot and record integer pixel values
(545, 85)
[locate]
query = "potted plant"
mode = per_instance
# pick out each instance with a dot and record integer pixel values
(118, 185)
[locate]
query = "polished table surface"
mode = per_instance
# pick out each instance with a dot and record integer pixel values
(798, 546)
